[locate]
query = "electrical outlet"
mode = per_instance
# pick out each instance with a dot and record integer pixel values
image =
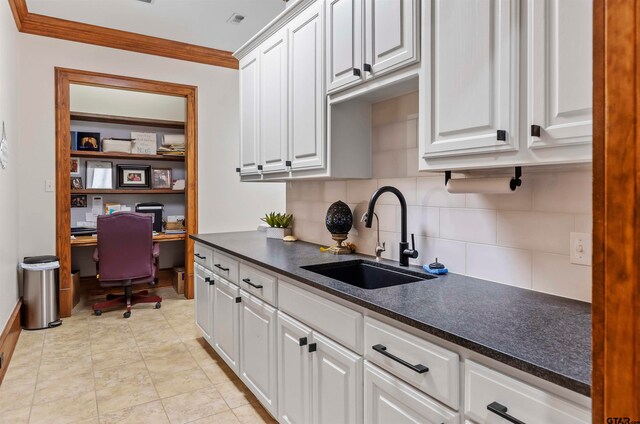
(580, 248)
(48, 185)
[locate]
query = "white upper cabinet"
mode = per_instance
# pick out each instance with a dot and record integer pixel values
(366, 38)
(344, 42)
(471, 77)
(560, 76)
(391, 34)
(249, 114)
(306, 90)
(273, 102)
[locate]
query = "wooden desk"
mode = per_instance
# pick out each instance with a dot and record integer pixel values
(80, 241)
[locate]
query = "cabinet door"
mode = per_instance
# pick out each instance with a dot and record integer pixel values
(560, 77)
(337, 383)
(258, 349)
(202, 279)
(389, 400)
(294, 371)
(226, 335)
(249, 114)
(273, 102)
(391, 34)
(306, 90)
(344, 43)
(470, 77)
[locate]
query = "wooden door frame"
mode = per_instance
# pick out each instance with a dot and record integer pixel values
(615, 386)
(63, 79)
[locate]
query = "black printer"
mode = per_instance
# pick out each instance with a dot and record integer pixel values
(155, 209)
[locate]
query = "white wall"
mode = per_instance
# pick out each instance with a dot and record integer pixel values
(224, 203)
(136, 104)
(520, 239)
(9, 176)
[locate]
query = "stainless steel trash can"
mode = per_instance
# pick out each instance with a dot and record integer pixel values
(40, 292)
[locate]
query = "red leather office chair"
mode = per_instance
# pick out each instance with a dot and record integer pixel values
(126, 256)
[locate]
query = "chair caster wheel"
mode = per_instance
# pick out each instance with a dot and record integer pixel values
(127, 314)
(158, 305)
(97, 313)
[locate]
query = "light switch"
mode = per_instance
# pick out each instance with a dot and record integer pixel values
(48, 185)
(580, 248)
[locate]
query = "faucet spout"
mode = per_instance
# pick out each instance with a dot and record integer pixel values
(405, 252)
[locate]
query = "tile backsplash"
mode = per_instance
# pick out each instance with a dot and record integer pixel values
(520, 239)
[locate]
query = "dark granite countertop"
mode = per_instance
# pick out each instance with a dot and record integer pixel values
(543, 335)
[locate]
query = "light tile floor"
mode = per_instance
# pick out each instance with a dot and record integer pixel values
(151, 368)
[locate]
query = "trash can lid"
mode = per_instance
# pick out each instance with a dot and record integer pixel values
(32, 260)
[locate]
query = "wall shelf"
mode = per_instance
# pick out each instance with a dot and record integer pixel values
(116, 155)
(126, 120)
(127, 191)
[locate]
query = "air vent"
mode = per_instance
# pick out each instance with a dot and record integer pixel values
(235, 19)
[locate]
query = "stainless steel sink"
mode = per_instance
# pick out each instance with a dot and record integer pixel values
(366, 274)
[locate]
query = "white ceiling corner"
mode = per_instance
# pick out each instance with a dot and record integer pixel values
(200, 22)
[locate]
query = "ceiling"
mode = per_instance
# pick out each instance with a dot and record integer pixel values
(199, 22)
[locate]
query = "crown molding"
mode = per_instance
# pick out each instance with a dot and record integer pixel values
(47, 26)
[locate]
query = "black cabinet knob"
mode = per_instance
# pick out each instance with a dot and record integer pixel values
(356, 72)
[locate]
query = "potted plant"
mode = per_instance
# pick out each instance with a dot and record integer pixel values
(278, 224)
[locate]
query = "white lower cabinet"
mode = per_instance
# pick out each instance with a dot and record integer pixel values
(336, 383)
(294, 371)
(389, 400)
(226, 334)
(492, 397)
(258, 349)
(203, 295)
(319, 380)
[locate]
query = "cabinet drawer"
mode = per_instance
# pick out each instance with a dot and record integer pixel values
(389, 400)
(203, 255)
(335, 321)
(225, 266)
(258, 283)
(485, 387)
(389, 347)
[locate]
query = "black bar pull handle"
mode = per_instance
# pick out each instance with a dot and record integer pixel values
(356, 72)
(501, 411)
(255, 286)
(367, 68)
(302, 341)
(419, 368)
(535, 130)
(197, 255)
(220, 267)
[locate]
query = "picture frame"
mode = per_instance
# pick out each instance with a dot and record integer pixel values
(99, 174)
(78, 200)
(76, 183)
(88, 141)
(134, 176)
(161, 178)
(75, 166)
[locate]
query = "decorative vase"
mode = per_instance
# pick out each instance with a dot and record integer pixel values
(339, 221)
(278, 233)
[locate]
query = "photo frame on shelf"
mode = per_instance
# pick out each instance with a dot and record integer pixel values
(134, 176)
(89, 141)
(161, 178)
(99, 174)
(78, 200)
(75, 166)
(76, 183)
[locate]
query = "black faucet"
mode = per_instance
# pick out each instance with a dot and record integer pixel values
(405, 252)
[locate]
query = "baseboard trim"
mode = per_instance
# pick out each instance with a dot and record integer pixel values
(9, 338)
